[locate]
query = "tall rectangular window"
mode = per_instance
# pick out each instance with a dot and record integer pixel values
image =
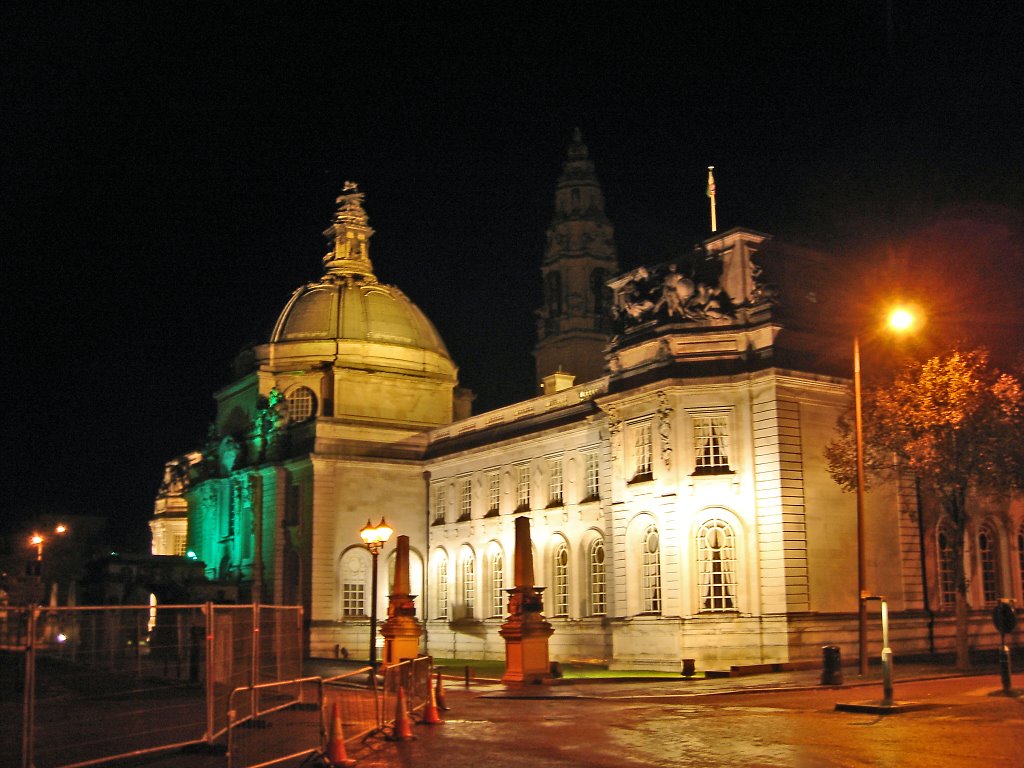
(353, 601)
(598, 590)
(642, 451)
(554, 482)
(989, 574)
(497, 584)
(468, 583)
(716, 566)
(1020, 559)
(711, 444)
(523, 487)
(591, 476)
(650, 574)
(465, 499)
(180, 545)
(442, 588)
(493, 492)
(947, 582)
(440, 503)
(561, 574)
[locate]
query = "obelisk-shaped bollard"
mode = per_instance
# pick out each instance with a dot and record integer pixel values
(525, 631)
(401, 630)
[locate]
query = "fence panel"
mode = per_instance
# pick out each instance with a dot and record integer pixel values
(287, 724)
(114, 681)
(412, 675)
(90, 684)
(358, 699)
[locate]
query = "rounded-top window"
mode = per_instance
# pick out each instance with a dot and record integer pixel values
(301, 404)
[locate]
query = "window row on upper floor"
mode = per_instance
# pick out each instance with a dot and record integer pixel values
(549, 482)
(709, 443)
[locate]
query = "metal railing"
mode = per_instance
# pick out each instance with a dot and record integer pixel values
(273, 722)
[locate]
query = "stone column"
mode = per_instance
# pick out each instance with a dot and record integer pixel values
(525, 631)
(401, 630)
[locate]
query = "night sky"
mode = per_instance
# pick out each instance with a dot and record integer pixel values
(167, 170)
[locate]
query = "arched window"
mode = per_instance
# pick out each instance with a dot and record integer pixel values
(468, 582)
(560, 594)
(716, 566)
(650, 576)
(301, 404)
(988, 556)
(598, 589)
(947, 567)
(442, 587)
(497, 581)
(354, 572)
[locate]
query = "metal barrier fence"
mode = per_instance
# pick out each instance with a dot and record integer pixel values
(286, 722)
(292, 717)
(89, 685)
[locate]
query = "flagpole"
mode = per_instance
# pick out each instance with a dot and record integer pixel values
(711, 194)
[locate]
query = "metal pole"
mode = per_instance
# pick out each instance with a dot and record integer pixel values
(29, 691)
(209, 672)
(373, 614)
(1004, 665)
(886, 656)
(862, 623)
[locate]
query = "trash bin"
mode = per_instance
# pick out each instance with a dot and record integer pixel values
(831, 665)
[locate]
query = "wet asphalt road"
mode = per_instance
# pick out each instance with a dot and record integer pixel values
(664, 725)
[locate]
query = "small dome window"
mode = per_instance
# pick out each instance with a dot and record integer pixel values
(301, 404)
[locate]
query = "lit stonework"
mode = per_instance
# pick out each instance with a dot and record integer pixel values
(672, 469)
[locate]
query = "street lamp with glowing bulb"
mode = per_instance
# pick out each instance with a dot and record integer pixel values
(900, 319)
(374, 537)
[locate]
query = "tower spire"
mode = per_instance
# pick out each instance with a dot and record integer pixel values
(574, 323)
(349, 233)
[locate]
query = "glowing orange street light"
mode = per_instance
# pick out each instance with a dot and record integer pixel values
(374, 537)
(900, 319)
(37, 540)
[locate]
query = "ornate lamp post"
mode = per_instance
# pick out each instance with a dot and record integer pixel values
(374, 536)
(899, 320)
(37, 540)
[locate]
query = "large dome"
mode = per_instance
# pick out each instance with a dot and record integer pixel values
(350, 321)
(347, 310)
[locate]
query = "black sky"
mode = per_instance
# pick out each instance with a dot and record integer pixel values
(167, 170)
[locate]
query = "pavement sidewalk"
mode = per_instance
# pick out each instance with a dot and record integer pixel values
(480, 690)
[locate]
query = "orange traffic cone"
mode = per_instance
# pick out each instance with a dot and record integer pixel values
(439, 695)
(336, 754)
(430, 714)
(402, 730)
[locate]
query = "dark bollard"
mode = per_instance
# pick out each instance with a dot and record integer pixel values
(688, 668)
(1004, 669)
(469, 674)
(831, 665)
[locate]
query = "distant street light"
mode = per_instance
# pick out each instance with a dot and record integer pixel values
(374, 536)
(900, 320)
(37, 540)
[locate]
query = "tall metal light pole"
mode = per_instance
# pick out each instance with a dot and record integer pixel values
(899, 319)
(862, 616)
(374, 536)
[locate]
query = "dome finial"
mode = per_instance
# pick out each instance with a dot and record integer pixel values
(350, 235)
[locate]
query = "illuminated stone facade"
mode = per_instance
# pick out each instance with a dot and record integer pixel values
(679, 501)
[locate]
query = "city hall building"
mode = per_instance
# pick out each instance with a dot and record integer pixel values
(671, 463)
